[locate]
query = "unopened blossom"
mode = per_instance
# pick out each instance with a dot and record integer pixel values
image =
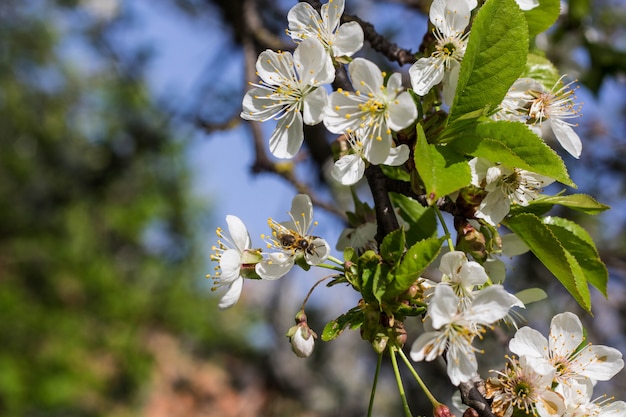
(372, 111)
(524, 386)
(235, 259)
(290, 91)
(349, 169)
(290, 240)
(449, 18)
(562, 351)
(504, 186)
(338, 40)
(452, 328)
(531, 102)
(301, 337)
(579, 403)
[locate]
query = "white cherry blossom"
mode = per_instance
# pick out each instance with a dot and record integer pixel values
(349, 169)
(524, 386)
(372, 111)
(532, 103)
(234, 255)
(290, 240)
(291, 92)
(452, 329)
(504, 186)
(578, 402)
(337, 39)
(562, 351)
(450, 18)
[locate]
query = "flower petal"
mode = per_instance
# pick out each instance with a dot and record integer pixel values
(317, 252)
(426, 73)
(397, 156)
(230, 264)
(275, 67)
(566, 136)
(303, 21)
(365, 74)
(302, 213)
(232, 294)
(566, 334)
(238, 233)
(348, 40)
(598, 362)
(314, 105)
(288, 136)
(529, 342)
(349, 169)
(402, 112)
(310, 60)
(275, 266)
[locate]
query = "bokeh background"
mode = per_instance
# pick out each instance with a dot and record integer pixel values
(121, 151)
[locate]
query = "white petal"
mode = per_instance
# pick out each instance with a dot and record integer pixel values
(377, 151)
(258, 105)
(426, 73)
(238, 233)
(288, 136)
(348, 40)
(331, 13)
(301, 346)
(274, 67)
(338, 106)
(314, 105)
(550, 404)
(303, 21)
(492, 304)
(276, 266)
(443, 306)
(302, 213)
(566, 136)
(462, 363)
(402, 112)
(450, 16)
(317, 252)
(232, 294)
(451, 262)
(349, 169)
(426, 347)
(599, 363)
(364, 74)
(529, 342)
(566, 334)
(494, 207)
(230, 264)
(397, 156)
(310, 58)
(471, 274)
(450, 81)
(527, 4)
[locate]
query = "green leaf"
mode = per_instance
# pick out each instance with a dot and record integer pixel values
(367, 266)
(540, 68)
(577, 241)
(441, 169)
(495, 57)
(353, 318)
(415, 261)
(422, 220)
(531, 295)
(578, 202)
(514, 145)
(392, 246)
(550, 250)
(543, 16)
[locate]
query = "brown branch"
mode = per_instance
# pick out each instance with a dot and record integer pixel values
(472, 394)
(385, 216)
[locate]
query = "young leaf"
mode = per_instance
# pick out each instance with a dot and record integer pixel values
(415, 261)
(441, 168)
(578, 202)
(495, 57)
(550, 250)
(422, 220)
(543, 16)
(577, 241)
(353, 318)
(392, 246)
(516, 146)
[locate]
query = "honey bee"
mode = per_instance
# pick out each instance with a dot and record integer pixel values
(294, 242)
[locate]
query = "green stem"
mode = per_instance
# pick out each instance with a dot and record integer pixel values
(408, 363)
(335, 260)
(378, 365)
(445, 227)
(396, 371)
(333, 267)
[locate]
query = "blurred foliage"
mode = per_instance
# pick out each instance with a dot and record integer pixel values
(96, 253)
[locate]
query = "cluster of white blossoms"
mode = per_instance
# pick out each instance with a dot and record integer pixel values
(458, 312)
(288, 242)
(555, 376)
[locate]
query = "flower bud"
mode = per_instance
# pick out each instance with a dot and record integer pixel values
(442, 411)
(301, 337)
